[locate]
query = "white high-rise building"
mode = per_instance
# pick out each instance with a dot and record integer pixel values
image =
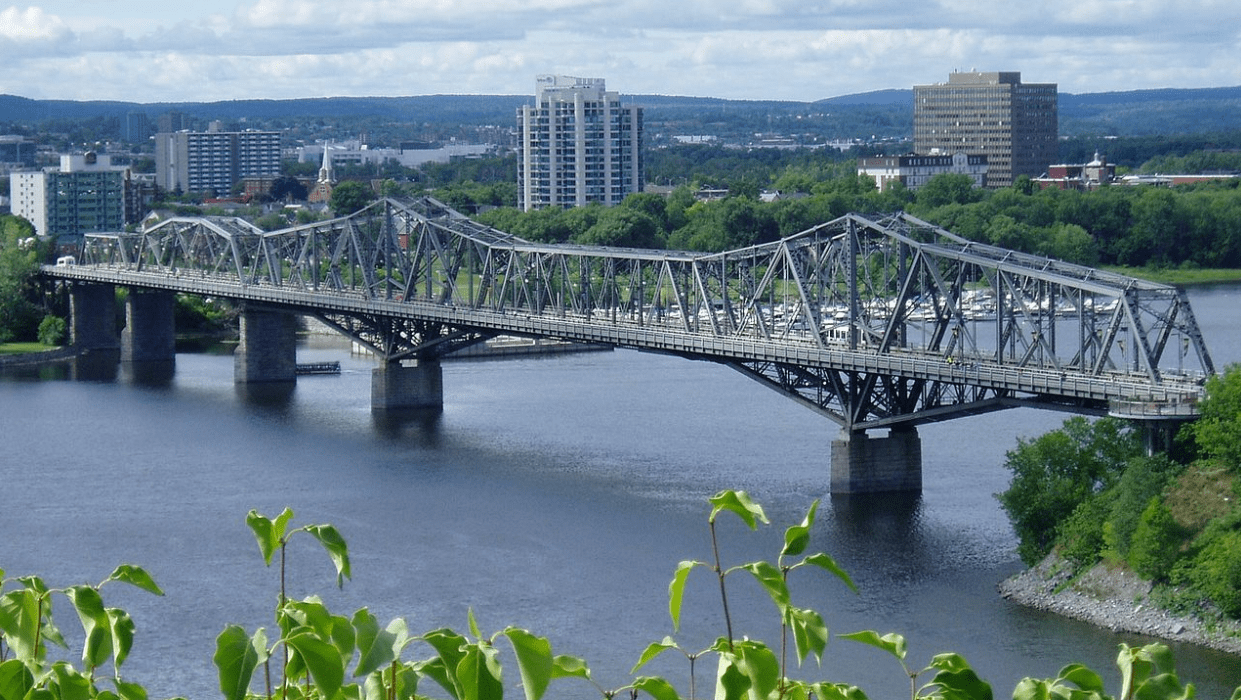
(579, 144)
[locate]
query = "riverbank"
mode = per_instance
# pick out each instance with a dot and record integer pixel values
(37, 357)
(1116, 599)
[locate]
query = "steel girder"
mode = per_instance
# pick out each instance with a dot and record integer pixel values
(892, 286)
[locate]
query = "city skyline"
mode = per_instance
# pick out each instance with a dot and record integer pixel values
(146, 51)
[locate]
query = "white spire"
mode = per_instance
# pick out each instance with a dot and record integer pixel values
(325, 170)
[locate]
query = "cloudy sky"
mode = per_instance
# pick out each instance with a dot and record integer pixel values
(181, 50)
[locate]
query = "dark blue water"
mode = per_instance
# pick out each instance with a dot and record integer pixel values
(555, 494)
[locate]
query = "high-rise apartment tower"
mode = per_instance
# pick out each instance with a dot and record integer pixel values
(214, 161)
(579, 144)
(1014, 124)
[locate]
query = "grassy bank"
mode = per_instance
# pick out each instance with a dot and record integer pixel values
(22, 348)
(1180, 277)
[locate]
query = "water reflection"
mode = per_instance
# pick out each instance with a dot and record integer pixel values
(151, 374)
(419, 424)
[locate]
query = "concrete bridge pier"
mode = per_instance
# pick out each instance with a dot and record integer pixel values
(399, 386)
(267, 351)
(865, 464)
(150, 332)
(92, 310)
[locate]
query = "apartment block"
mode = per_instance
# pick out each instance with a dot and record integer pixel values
(214, 161)
(579, 144)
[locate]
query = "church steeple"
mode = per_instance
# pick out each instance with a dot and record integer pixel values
(327, 179)
(325, 170)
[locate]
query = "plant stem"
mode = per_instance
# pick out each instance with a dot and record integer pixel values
(719, 572)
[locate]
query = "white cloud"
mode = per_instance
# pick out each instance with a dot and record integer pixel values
(152, 50)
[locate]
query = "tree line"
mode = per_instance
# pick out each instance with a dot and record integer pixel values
(1089, 493)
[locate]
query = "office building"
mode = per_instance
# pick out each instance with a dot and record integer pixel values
(579, 144)
(914, 171)
(213, 161)
(16, 153)
(1014, 124)
(86, 194)
(135, 127)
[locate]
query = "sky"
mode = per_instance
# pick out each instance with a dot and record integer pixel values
(805, 50)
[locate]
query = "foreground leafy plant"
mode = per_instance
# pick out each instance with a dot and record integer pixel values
(319, 647)
(27, 627)
(325, 656)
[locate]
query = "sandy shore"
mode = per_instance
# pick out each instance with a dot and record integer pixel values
(1116, 599)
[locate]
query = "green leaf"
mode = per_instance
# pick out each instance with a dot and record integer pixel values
(676, 591)
(534, 661)
(1082, 677)
(235, 660)
(479, 673)
(15, 680)
(731, 683)
(474, 630)
(450, 647)
(21, 620)
(322, 659)
(798, 536)
(962, 685)
(652, 650)
(97, 646)
(828, 564)
(71, 684)
(135, 576)
(656, 687)
(809, 632)
(892, 642)
(336, 548)
(770, 578)
(130, 691)
(837, 691)
(740, 504)
(376, 648)
(121, 627)
(570, 667)
(268, 533)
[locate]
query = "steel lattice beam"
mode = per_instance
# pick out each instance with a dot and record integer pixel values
(872, 321)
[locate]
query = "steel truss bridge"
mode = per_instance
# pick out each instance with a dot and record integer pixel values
(876, 322)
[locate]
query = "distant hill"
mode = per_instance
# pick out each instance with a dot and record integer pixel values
(882, 112)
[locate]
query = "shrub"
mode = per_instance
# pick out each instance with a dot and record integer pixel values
(1081, 535)
(52, 330)
(1144, 478)
(1157, 542)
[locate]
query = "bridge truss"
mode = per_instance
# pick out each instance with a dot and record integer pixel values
(875, 322)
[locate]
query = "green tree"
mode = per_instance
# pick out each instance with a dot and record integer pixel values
(1057, 472)
(1218, 432)
(948, 188)
(349, 197)
(21, 253)
(1156, 542)
(287, 188)
(623, 227)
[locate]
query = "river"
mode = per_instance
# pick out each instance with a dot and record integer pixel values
(555, 494)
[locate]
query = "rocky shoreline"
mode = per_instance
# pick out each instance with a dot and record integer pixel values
(1116, 599)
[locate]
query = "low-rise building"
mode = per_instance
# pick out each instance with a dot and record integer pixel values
(915, 171)
(1087, 176)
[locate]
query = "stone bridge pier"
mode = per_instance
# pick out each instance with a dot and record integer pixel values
(412, 384)
(865, 464)
(150, 329)
(92, 310)
(267, 347)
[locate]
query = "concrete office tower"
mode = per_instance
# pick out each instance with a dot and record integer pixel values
(579, 144)
(1014, 124)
